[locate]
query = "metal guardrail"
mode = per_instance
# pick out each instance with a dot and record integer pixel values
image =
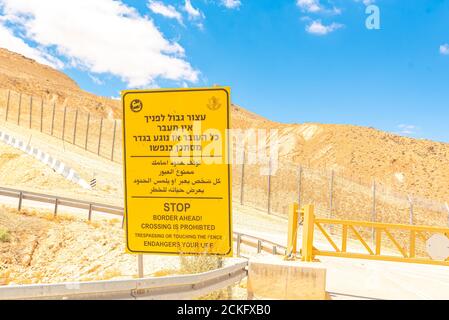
(169, 287)
(59, 201)
(241, 238)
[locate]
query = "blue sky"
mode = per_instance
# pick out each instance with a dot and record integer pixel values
(292, 61)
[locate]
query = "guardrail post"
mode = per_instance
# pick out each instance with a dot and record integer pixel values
(56, 207)
(90, 212)
(140, 265)
(259, 246)
(19, 207)
(275, 250)
(292, 238)
(307, 233)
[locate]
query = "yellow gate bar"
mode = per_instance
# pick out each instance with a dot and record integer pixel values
(292, 230)
(307, 233)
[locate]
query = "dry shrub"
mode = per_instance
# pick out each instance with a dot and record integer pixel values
(5, 235)
(203, 263)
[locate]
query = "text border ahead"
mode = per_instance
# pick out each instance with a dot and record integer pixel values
(228, 163)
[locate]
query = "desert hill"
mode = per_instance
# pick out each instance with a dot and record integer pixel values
(416, 167)
(29, 77)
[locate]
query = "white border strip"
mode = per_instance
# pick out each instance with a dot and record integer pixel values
(53, 163)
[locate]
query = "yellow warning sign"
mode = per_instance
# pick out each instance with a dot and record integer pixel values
(177, 171)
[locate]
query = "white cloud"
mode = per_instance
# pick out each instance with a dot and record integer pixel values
(167, 11)
(102, 36)
(317, 28)
(191, 11)
(13, 43)
(231, 4)
(444, 49)
(96, 80)
(315, 7)
(194, 14)
(407, 129)
(309, 5)
(366, 2)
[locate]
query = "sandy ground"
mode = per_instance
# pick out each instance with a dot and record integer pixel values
(356, 278)
(44, 249)
(68, 249)
(21, 171)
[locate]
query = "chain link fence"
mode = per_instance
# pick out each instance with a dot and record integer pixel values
(338, 195)
(88, 131)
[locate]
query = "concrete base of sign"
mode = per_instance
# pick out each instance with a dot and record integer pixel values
(274, 278)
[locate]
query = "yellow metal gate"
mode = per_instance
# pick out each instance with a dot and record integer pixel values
(406, 247)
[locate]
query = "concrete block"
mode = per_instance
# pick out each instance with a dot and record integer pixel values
(274, 278)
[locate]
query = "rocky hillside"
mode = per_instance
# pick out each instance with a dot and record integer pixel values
(418, 167)
(29, 77)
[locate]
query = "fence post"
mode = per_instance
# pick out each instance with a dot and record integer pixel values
(42, 112)
(331, 192)
(410, 200)
(99, 136)
(373, 211)
(140, 265)
(269, 187)
(20, 103)
(299, 185)
(63, 123)
(113, 140)
(87, 131)
(7, 105)
(331, 197)
(242, 178)
(53, 118)
(31, 110)
(259, 246)
(74, 128)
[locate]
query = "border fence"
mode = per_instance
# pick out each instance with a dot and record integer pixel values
(334, 193)
(99, 135)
